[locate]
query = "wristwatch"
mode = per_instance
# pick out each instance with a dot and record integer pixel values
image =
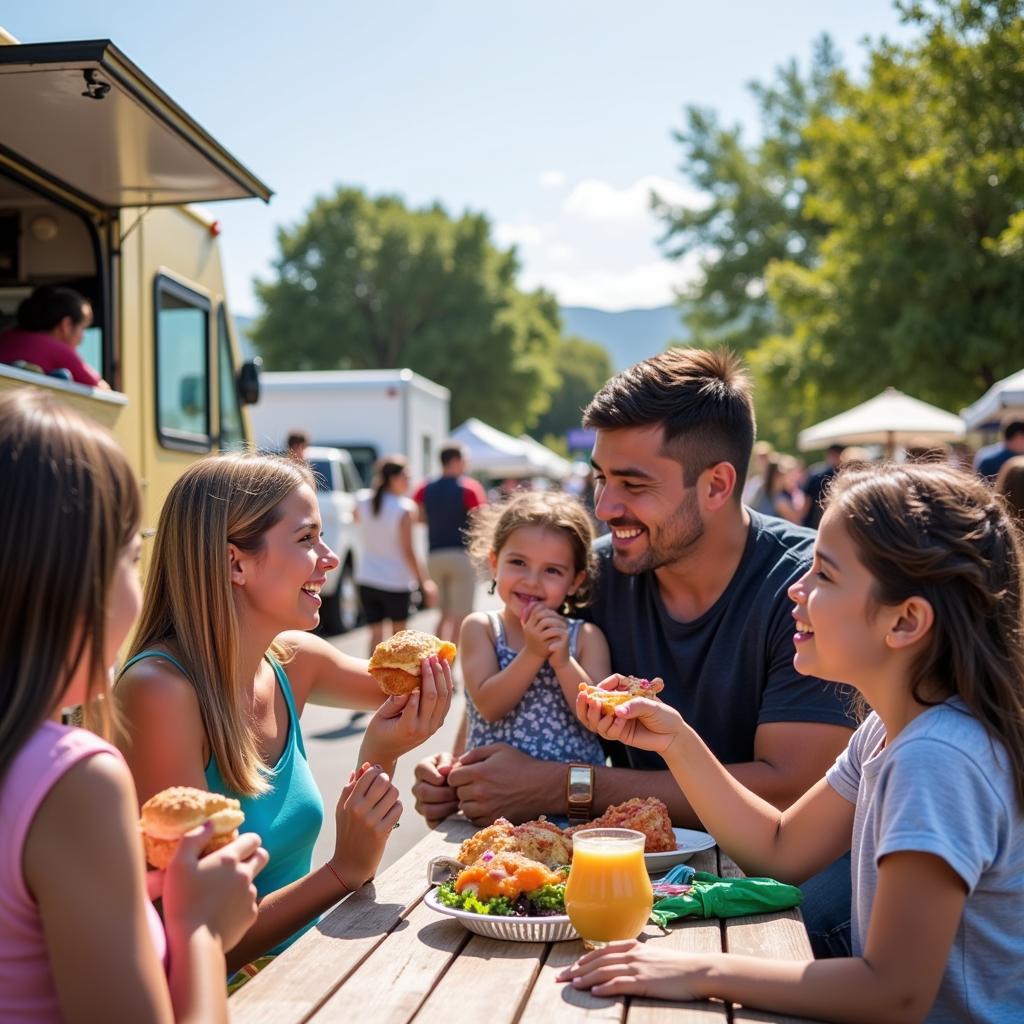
(579, 793)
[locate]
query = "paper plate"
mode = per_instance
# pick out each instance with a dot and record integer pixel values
(688, 842)
(508, 929)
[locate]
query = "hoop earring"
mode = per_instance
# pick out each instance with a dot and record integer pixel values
(494, 586)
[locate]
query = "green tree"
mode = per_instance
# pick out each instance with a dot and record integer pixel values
(583, 367)
(755, 210)
(918, 177)
(366, 282)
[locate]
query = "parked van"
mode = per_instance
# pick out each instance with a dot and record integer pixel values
(97, 166)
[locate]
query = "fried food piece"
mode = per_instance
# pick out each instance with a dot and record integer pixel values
(168, 815)
(537, 840)
(635, 687)
(644, 814)
(505, 874)
(395, 663)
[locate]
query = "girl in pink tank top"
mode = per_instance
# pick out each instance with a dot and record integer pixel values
(78, 933)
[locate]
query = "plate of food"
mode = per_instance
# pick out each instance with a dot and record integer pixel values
(688, 842)
(504, 896)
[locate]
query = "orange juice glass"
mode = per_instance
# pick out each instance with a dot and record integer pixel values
(608, 895)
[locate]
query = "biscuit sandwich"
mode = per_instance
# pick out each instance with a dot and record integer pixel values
(635, 687)
(395, 663)
(168, 815)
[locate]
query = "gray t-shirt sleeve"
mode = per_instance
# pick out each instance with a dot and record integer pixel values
(844, 775)
(960, 823)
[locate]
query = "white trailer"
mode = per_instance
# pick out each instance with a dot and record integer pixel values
(369, 412)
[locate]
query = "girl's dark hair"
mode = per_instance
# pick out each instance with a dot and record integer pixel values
(47, 306)
(935, 532)
(384, 471)
(492, 525)
(70, 507)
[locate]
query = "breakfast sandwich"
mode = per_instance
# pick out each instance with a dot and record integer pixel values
(168, 815)
(395, 663)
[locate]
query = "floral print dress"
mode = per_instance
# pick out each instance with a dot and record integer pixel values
(542, 724)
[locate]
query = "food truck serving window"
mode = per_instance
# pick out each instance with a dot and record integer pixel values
(182, 366)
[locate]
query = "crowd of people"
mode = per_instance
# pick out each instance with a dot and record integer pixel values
(843, 703)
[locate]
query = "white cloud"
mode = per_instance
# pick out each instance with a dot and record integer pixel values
(640, 286)
(552, 179)
(560, 253)
(596, 200)
(518, 234)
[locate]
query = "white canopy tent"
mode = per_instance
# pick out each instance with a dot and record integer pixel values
(891, 418)
(556, 467)
(498, 454)
(1003, 400)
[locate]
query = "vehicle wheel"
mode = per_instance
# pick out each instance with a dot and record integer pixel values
(340, 612)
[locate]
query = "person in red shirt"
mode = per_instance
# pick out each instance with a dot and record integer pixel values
(51, 325)
(446, 503)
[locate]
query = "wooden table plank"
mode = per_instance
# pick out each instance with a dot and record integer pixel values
(780, 936)
(550, 1000)
(309, 972)
(694, 935)
(489, 981)
(395, 980)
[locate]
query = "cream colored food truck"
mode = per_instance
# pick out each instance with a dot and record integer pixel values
(97, 166)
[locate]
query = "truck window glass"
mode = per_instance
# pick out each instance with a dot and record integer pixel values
(232, 436)
(91, 349)
(182, 367)
(322, 474)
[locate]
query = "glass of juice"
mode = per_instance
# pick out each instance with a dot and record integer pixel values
(608, 895)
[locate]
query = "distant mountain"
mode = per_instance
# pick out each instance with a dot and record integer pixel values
(629, 335)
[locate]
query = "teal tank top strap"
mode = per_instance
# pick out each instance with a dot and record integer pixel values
(293, 714)
(155, 654)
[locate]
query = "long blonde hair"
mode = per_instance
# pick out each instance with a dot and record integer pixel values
(188, 601)
(70, 507)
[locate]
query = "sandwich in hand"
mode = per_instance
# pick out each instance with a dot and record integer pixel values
(395, 663)
(634, 687)
(168, 815)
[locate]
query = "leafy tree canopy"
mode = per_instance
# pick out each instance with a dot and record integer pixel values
(918, 177)
(584, 366)
(366, 283)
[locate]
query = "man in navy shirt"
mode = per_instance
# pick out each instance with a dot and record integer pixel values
(692, 588)
(445, 503)
(989, 464)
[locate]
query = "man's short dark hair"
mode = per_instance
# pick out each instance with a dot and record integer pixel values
(48, 305)
(451, 452)
(297, 437)
(1014, 429)
(702, 399)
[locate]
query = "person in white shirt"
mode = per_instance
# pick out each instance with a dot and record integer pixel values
(388, 569)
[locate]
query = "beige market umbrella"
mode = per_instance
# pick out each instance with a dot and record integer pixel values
(890, 419)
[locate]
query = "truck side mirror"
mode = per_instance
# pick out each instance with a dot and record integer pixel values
(249, 381)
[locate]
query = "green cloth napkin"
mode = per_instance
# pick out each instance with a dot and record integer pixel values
(712, 896)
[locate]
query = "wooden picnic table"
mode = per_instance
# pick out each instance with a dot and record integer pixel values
(384, 957)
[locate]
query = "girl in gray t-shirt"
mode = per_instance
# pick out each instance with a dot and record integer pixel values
(915, 598)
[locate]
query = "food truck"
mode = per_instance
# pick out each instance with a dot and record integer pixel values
(98, 168)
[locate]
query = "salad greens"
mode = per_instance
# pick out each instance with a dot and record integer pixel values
(547, 901)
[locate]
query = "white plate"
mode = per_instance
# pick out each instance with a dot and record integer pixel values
(510, 929)
(688, 842)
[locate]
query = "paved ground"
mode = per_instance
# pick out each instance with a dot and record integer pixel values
(332, 737)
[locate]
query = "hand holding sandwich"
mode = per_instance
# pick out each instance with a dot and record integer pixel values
(214, 891)
(642, 722)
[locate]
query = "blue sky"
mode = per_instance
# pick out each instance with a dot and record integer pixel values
(553, 118)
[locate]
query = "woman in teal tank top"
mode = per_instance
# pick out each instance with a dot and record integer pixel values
(222, 666)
